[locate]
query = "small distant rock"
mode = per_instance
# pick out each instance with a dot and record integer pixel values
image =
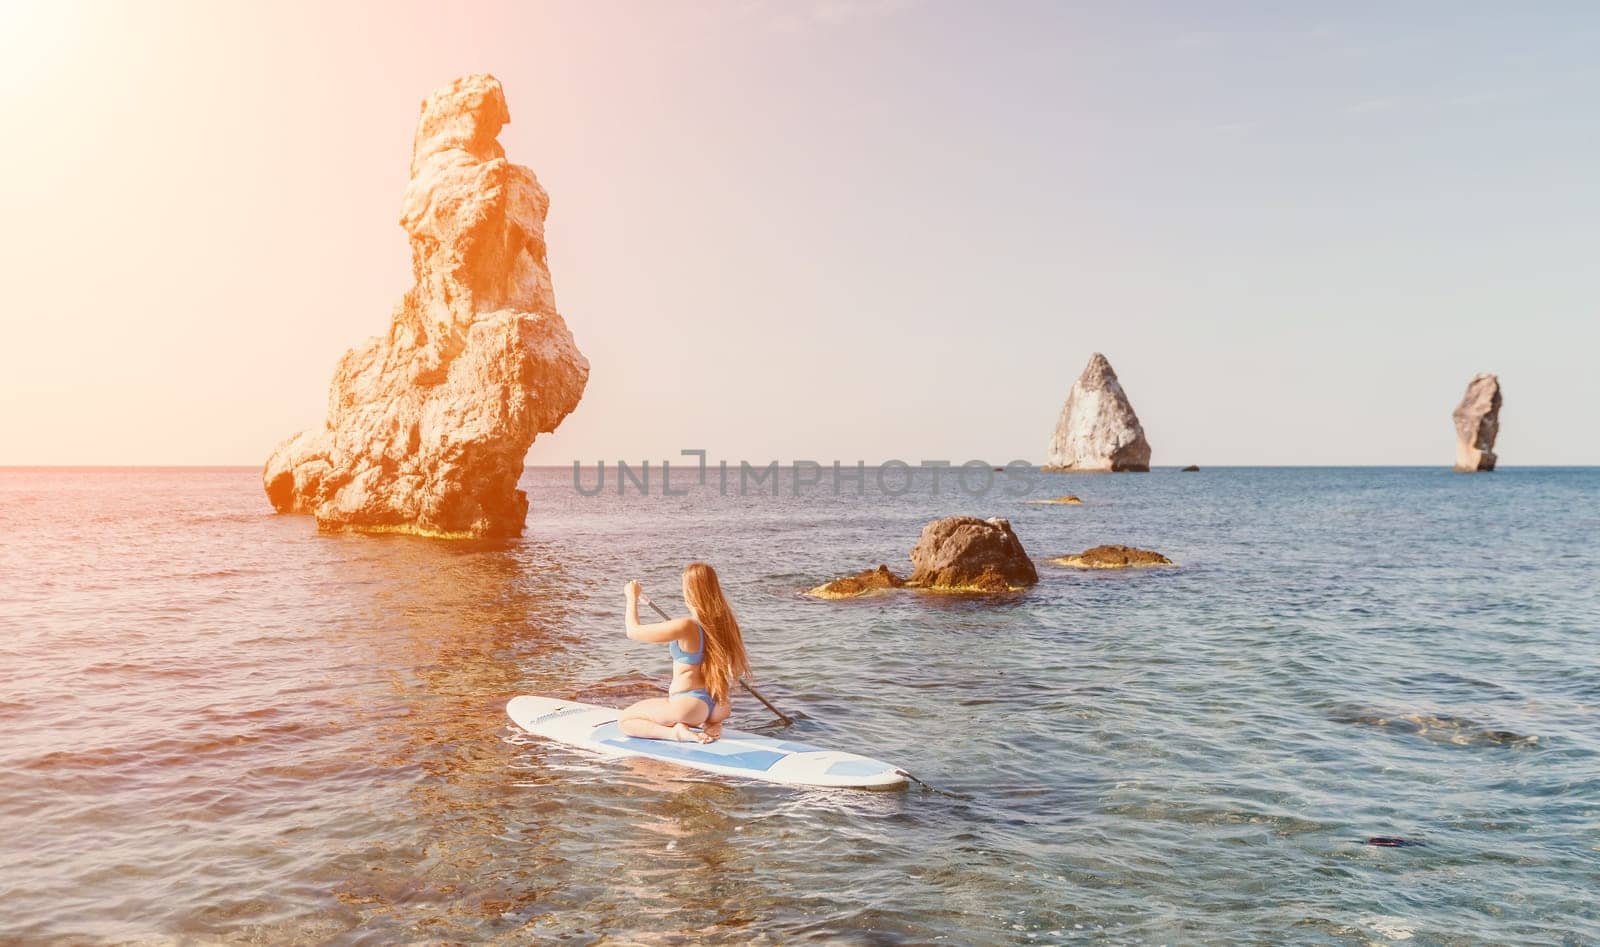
(966, 554)
(1477, 420)
(1190, 469)
(862, 583)
(1114, 557)
(1066, 500)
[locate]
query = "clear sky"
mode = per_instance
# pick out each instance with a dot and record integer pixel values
(844, 229)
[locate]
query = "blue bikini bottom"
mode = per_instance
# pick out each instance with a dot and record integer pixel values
(703, 694)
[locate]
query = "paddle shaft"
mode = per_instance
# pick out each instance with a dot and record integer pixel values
(787, 720)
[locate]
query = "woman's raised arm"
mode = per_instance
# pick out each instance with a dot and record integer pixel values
(658, 632)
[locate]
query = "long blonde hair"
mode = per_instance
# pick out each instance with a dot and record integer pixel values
(725, 660)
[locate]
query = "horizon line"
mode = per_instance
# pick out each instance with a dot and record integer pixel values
(917, 466)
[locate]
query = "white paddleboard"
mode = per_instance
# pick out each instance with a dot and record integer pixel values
(594, 728)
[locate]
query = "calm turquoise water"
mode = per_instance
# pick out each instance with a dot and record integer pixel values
(216, 723)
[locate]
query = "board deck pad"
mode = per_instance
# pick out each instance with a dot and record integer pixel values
(592, 727)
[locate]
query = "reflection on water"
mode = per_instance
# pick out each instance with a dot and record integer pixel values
(220, 724)
(453, 627)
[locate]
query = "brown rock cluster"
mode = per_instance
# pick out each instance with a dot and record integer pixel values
(862, 583)
(954, 554)
(428, 425)
(1114, 557)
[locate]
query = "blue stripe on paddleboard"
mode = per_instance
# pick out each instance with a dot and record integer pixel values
(793, 747)
(861, 767)
(721, 753)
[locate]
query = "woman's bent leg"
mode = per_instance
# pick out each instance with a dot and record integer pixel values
(663, 718)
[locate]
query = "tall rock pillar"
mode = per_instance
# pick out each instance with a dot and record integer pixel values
(1477, 420)
(428, 425)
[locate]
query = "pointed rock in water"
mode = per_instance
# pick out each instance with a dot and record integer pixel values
(1098, 430)
(1477, 420)
(966, 554)
(428, 425)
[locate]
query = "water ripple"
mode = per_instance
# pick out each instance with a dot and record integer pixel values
(222, 725)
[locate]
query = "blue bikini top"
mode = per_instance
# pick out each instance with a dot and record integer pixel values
(689, 657)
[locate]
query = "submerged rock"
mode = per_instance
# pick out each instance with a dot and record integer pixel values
(428, 425)
(1438, 727)
(1393, 841)
(966, 554)
(1114, 557)
(1060, 501)
(1098, 430)
(862, 583)
(1477, 420)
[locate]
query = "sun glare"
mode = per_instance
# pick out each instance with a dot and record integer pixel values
(37, 40)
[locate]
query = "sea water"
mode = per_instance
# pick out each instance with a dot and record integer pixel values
(218, 723)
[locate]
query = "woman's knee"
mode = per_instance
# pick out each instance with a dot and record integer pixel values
(635, 726)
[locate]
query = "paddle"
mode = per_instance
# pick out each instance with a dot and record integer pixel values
(787, 720)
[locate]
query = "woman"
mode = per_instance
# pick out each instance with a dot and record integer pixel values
(707, 657)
